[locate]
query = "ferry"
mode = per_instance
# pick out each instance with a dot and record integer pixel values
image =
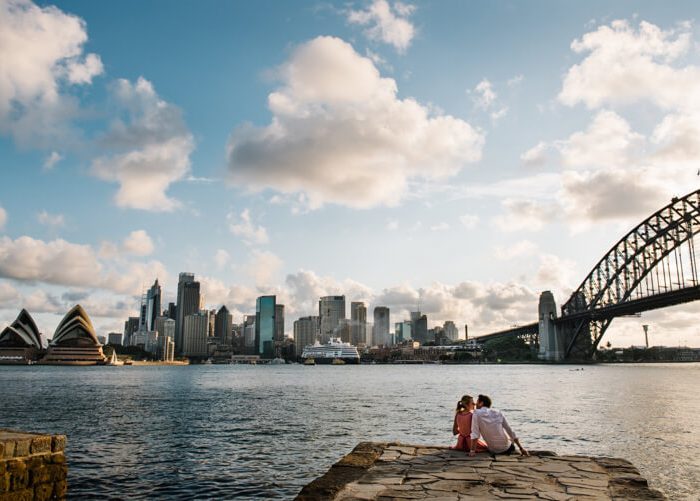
(334, 352)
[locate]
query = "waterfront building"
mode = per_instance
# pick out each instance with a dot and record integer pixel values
(195, 335)
(305, 332)
(358, 323)
(187, 304)
(130, 327)
(223, 326)
(147, 341)
(74, 342)
(166, 347)
(419, 327)
(20, 342)
(265, 308)
(451, 330)
(249, 333)
(279, 323)
(331, 309)
(150, 307)
(165, 327)
(380, 336)
(115, 338)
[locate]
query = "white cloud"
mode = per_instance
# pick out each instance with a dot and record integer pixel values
(442, 226)
(3, 218)
(469, 221)
(392, 225)
(51, 220)
(339, 134)
(526, 215)
(51, 161)
(624, 65)
(609, 141)
(9, 296)
(484, 95)
(244, 227)
(515, 81)
(386, 24)
(149, 151)
(59, 262)
(221, 258)
(263, 267)
(535, 156)
(138, 243)
(41, 55)
(517, 249)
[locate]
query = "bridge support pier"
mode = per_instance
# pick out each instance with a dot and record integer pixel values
(552, 347)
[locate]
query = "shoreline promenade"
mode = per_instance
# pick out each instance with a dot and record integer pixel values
(393, 471)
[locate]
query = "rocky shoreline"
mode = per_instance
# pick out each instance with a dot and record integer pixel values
(394, 471)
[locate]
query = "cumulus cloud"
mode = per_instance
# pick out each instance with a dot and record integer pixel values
(339, 134)
(264, 267)
(51, 220)
(526, 215)
(221, 258)
(385, 23)
(624, 64)
(138, 243)
(243, 226)
(59, 262)
(149, 150)
(41, 56)
(535, 156)
(485, 98)
(51, 161)
(9, 296)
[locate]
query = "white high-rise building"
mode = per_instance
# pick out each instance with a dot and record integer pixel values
(331, 310)
(451, 330)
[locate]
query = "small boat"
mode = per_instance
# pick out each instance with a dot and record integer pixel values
(128, 362)
(309, 361)
(338, 361)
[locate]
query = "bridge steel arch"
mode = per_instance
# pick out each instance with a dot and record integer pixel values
(656, 257)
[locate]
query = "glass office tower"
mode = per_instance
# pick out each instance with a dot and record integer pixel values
(265, 326)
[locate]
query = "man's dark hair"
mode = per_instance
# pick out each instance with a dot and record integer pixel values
(484, 400)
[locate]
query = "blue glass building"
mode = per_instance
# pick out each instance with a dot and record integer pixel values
(265, 326)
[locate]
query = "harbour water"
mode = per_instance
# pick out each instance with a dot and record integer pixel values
(225, 431)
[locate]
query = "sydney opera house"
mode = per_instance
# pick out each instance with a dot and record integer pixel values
(74, 342)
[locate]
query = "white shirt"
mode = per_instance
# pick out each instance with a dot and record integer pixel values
(492, 425)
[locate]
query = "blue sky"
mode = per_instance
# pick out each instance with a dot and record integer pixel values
(460, 156)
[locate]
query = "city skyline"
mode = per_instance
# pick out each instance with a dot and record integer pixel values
(443, 157)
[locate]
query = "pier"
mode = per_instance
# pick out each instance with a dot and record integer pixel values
(393, 471)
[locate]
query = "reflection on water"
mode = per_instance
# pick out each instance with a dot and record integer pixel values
(265, 431)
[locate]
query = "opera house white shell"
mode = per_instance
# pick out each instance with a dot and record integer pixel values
(20, 342)
(75, 341)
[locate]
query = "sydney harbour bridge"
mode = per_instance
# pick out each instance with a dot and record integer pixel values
(653, 266)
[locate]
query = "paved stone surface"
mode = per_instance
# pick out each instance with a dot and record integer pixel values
(392, 471)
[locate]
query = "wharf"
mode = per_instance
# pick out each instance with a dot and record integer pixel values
(393, 471)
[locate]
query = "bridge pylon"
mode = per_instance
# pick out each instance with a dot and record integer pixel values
(552, 347)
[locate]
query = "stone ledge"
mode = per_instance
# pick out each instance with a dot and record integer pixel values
(384, 471)
(32, 466)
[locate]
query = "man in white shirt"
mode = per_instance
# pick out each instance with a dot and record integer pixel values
(491, 424)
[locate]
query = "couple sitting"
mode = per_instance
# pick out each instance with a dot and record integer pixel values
(484, 429)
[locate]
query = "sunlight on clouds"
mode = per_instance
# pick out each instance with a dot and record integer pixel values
(41, 52)
(386, 24)
(243, 226)
(150, 151)
(138, 243)
(340, 135)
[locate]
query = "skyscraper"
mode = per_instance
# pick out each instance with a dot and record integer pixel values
(195, 332)
(451, 330)
(249, 334)
(130, 327)
(331, 309)
(150, 308)
(223, 325)
(279, 323)
(419, 327)
(381, 326)
(187, 304)
(305, 333)
(358, 323)
(265, 307)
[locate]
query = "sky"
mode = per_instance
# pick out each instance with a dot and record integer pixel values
(454, 157)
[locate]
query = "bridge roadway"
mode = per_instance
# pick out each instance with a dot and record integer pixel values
(631, 307)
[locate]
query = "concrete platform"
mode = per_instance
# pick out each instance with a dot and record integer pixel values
(393, 471)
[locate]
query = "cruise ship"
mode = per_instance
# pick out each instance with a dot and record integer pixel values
(334, 352)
